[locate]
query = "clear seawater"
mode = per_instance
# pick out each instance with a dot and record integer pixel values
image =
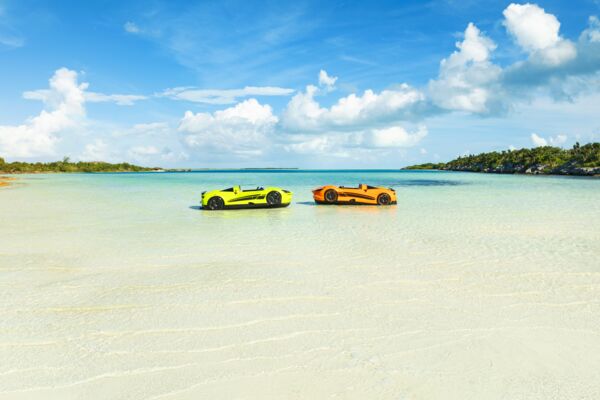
(474, 286)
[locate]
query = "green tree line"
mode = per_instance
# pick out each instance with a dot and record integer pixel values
(546, 160)
(67, 166)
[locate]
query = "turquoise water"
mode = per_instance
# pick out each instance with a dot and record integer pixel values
(473, 286)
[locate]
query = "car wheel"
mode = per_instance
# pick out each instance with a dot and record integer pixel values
(215, 203)
(330, 196)
(274, 198)
(384, 199)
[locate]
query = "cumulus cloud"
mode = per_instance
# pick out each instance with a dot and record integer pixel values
(558, 140)
(324, 144)
(223, 96)
(592, 33)
(347, 144)
(555, 66)
(355, 124)
(468, 80)
(304, 113)
(64, 109)
(394, 136)
(98, 150)
(326, 81)
(537, 32)
(240, 130)
(539, 141)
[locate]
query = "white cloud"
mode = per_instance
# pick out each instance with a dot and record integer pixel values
(154, 129)
(422, 151)
(150, 128)
(537, 32)
(316, 145)
(304, 113)
(241, 130)
(326, 81)
(538, 141)
(120, 99)
(557, 140)
(592, 33)
(97, 150)
(349, 144)
(467, 79)
(45, 95)
(223, 96)
(145, 150)
(64, 103)
(357, 125)
(532, 27)
(395, 136)
(131, 27)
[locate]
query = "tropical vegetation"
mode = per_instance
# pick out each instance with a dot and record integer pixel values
(579, 160)
(66, 165)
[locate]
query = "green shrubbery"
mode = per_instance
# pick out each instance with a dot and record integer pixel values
(67, 166)
(549, 159)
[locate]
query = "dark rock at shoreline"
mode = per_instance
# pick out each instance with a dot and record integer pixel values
(536, 169)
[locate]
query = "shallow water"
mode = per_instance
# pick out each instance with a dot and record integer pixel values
(473, 287)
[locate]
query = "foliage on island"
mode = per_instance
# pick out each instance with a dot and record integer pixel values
(66, 165)
(579, 160)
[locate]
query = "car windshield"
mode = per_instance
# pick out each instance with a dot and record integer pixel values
(252, 190)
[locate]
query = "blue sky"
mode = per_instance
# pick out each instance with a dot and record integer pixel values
(306, 84)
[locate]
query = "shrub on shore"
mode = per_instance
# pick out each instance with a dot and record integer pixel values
(579, 160)
(67, 166)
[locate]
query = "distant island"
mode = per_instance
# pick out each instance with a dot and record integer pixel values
(546, 160)
(66, 165)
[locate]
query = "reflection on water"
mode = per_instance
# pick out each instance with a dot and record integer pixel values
(244, 213)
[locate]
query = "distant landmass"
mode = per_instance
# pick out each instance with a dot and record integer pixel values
(66, 165)
(546, 160)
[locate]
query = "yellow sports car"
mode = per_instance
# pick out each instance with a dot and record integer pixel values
(235, 197)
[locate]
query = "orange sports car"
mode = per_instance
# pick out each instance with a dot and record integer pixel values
(363, 194)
